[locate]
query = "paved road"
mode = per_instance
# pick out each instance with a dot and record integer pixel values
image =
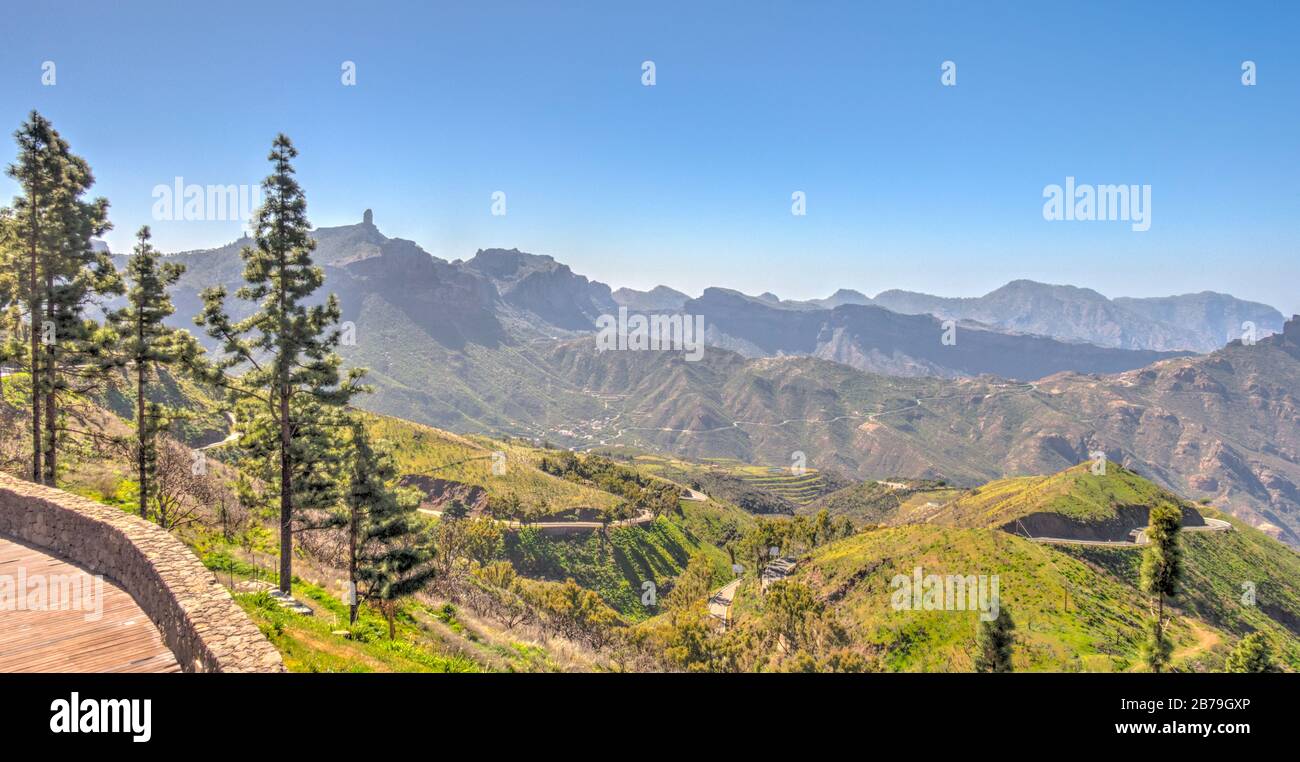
(233, 436)
(720, 601)
(696, 495)
(644, 517)
(1211, 525)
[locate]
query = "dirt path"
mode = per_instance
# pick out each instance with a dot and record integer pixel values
(1205, 640)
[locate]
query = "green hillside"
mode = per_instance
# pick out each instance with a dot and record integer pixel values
(1070, 616)
(1219, 569)
(757, 489)
(424, 450)
(1073, 502)
(1077, 606)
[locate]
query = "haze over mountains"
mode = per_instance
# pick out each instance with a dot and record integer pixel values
(1199, 322)
(501, 343)
(874, 339)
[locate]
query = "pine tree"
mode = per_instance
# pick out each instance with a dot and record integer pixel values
(993, 643)
(25, 260)
(389, 552)
(55, 273)
(1159, 575)
(291, 392)
(80, 358)
(1252, 654)
(146, 344)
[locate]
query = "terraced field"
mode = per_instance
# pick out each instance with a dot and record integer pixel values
(783, 483)
(799, 489)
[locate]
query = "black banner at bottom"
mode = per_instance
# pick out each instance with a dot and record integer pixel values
(769, 712)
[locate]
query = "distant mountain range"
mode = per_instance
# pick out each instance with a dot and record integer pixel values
(1198, 322)
(874, 339)
(1191, 322)
(501, 343)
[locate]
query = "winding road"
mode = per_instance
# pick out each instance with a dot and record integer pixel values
(918, 402)
(720, 601)
(1211, 525)
(233, 436)
(645, 517)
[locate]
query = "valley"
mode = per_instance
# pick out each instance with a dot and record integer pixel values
(455, 467)
(503, 344)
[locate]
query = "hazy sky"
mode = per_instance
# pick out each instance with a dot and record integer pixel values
(909, 184)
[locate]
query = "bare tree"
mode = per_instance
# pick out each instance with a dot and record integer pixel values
(184, 487)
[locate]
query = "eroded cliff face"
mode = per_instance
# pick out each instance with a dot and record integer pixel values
(1128, 520)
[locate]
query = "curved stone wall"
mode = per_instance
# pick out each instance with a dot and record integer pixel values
(199, 621)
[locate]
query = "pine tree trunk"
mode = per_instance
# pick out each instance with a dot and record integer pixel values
(286, 499)
(140, 433)
(51, 375)
(352, 567)
(286, 440)
(1160, 627)
(33, 283)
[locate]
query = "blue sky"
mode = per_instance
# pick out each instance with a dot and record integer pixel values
(909, 184)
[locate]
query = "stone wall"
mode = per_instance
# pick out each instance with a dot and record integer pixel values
(199, 621)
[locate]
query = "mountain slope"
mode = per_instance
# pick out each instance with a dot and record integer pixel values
(469, 346)
(1223, 427)
(1213, 318)
(1077, 607)
(1082, 618)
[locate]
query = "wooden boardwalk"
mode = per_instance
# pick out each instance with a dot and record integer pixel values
(68, 639)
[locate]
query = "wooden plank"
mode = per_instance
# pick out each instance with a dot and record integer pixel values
(114, 635)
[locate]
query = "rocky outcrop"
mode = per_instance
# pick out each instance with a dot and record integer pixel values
(199, 621)
(438, 493)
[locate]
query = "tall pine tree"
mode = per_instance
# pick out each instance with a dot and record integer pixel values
(389, 551)
(146, 345)
(56, 273)
(290, 390)
(30, 244)
(1159, 575)
(993, 643)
